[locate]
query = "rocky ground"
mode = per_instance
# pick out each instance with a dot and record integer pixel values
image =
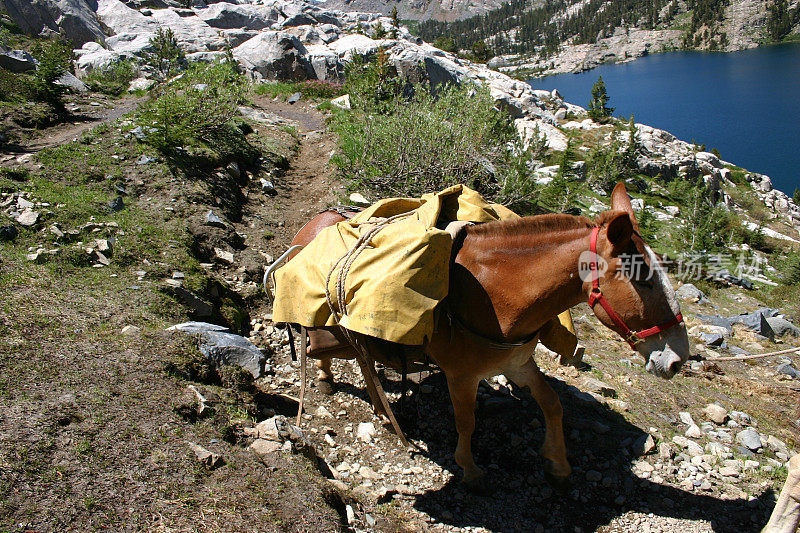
(648, 455)
(107, 421)
(89, 421)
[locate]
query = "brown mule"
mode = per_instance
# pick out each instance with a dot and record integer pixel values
(509, 279)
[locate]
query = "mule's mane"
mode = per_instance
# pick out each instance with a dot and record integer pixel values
(540, 224)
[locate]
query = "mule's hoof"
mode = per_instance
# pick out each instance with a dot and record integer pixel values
(560, 484)
(476, 484)
(325, 386)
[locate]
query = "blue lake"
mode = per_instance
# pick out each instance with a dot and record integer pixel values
(745, 104)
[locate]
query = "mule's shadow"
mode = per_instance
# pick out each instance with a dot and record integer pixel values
(508, 431)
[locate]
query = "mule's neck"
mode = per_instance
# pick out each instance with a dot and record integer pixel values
(509, 286)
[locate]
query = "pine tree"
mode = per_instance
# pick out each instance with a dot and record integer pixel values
(598, 110)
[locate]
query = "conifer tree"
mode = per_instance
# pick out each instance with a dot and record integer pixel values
(598, 110)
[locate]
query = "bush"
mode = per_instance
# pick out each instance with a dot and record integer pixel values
(791, 270)
(373, 84)
(113, 79)
(55, 59)
(402, 139)
(165, 55)
(607, 165)
(196, 109)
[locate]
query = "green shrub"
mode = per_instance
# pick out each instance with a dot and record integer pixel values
(165, 54)
(373, 83)
(113, 79)
(429, 142)
(402, 139)
(791, 270)
(194, 110)
(445, 43)
(55, 59)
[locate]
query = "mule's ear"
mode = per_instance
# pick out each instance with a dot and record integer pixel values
(620, 201)
(619, 231)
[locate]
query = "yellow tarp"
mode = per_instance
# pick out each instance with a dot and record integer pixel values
(395, 283)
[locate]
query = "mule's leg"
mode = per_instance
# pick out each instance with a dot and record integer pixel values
(554, 449)
(324, 376)
(463, 391)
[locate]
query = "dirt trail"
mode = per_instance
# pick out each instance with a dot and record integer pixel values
(85, 114)
(308, 186)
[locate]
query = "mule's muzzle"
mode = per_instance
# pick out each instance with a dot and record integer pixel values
(664, 364)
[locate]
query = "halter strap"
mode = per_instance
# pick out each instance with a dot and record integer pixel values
(631, 337)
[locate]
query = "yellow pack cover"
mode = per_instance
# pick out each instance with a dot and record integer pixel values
(395, 283)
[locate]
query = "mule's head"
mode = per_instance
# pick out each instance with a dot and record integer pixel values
(635, 286)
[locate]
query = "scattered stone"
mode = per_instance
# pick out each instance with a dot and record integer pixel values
(214, 220)
(757, 321)
(264, 446)
(145, 160)
(209, 459)
(342, 102)
(225, 348)
(22, 203)
(293, 99)
(686, 418)
(365, 432)
(593, 476)
(780, 326)
(750, 439)
(224, 256)
(17, 60)
(643, 466)
(644, 445)
(716, 413)
(200, 308)
(117, 204)
(230, 349)
(368, 473)
(130, 330)
(694, 432)
(267, 187)
(322, 412)
(712, 339)
(358, 199)
(687, 291)
(665, 451)
(777, 445)
(599, 387)
(140, 84)
(28, 217)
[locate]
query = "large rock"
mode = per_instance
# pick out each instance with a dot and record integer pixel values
(16, 60)
(238, 16)
(225, 348)
(750, 439)
(781, 326)
(274, 54)
(687, 291)
(757, 321)
(92, 56)
(119, 18)
(193, 34)
(75, 20)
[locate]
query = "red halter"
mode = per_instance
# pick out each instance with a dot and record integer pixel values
(632, 337)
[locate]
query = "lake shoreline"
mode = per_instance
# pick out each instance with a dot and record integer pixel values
(742, 103)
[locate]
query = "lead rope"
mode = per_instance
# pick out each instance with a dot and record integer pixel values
(365, 362)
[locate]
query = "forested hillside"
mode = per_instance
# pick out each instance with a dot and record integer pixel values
(517, 27)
